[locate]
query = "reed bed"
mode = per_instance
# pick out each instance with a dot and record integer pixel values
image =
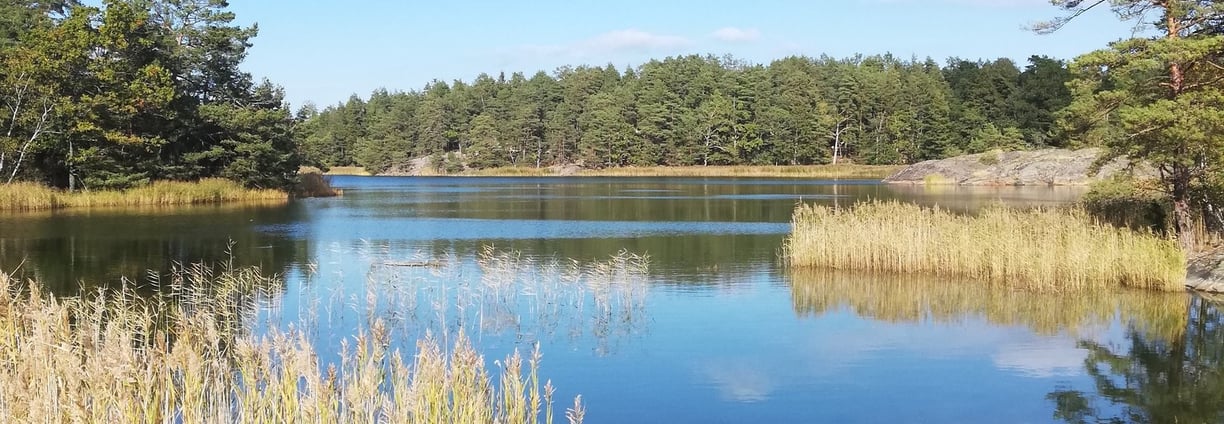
(1046, 250)
(844, 171)
(187, 356)
(920, 298)
(866, 172)
(30, 196)
(348, 170)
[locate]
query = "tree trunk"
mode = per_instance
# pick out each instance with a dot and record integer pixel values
(1183, 217)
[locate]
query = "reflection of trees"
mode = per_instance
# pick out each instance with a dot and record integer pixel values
(1154, 380)
(910, 298)
(97, 247)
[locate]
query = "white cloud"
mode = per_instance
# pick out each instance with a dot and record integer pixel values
(736, 35)
(1041, 360)
(633, 39)
(625, 40)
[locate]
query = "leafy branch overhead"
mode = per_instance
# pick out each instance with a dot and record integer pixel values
(1159, 98)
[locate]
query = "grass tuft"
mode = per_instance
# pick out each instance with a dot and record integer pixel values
(30, 196)
(1037, 250)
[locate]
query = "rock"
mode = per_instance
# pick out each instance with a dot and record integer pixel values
(1035, 167)
(565, 170)
(1205, 272)
(415, 167)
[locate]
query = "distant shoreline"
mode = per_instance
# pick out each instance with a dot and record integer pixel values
(867, 172)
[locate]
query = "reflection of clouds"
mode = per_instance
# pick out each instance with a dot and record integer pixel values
(738, 380)
(1041, 358)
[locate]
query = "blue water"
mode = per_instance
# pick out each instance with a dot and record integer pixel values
(717, 329)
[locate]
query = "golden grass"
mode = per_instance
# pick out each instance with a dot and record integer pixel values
(914, 298)
(348, 170)
(872, 172)
(510, 171)
(1061, 249)
(111, 356)
(866, 172)
(30, 196)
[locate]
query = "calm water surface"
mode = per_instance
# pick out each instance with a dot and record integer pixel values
(715, 331)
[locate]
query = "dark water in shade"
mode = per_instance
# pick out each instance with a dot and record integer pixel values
(716, 331)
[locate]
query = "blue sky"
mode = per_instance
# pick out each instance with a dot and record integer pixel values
(323, 51)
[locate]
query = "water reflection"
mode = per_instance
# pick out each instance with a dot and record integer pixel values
(498, 294)
(1152, 379)
(910, 298)
(68, 250)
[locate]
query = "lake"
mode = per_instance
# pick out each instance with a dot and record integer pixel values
(713, 329)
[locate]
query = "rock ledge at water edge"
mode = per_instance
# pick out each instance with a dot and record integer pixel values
(1035, 167)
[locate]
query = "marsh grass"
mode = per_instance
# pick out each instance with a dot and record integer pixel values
(29, 196)
(1050, 250)
(867, 172)
(843, 171)
(348, 170)
(918, 298)
(188, 356)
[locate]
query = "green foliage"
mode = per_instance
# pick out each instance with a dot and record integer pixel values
(1158, 99)
(134, 91)
(700, 110)
(1125, 202)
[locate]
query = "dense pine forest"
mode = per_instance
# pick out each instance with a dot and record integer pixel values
(134, 91)
(701, 110)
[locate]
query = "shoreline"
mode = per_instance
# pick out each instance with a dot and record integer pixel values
(865, 172)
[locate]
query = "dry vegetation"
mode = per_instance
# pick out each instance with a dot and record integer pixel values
(1038, 250)
(112, 356)
(867, 172)
(348, 170)
(29, 196)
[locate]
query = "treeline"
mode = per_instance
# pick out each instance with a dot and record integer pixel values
(700, 110)
(135, 90)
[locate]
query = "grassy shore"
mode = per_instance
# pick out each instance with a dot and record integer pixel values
(347, 170)
(1038, 250)
(113, 356)
(866, 172)
(30, 196)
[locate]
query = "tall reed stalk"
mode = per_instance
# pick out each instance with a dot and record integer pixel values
(1056, 249)
(112, 356)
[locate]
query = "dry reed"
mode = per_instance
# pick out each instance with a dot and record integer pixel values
(29, 196)
(1059, 249)
(112, 356)
(348, 170)
(871, 172)
(867, 172)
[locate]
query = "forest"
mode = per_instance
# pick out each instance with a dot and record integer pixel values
(136, 91)
(701, 110)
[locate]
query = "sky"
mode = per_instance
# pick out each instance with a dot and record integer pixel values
(324, 51)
